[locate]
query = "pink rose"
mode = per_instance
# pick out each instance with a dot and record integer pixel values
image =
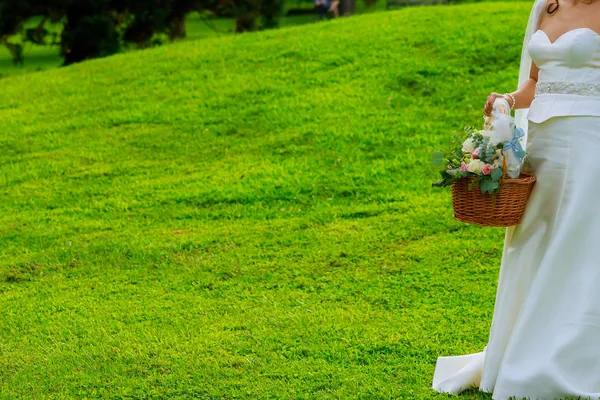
(464, 167)
(487, 169)
(475, 153)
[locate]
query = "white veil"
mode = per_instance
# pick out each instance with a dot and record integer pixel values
(525, 69)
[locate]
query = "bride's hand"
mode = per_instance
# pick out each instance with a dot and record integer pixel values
(487, 110)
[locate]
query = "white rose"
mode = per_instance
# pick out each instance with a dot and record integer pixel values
(468, 146)
(475, 166)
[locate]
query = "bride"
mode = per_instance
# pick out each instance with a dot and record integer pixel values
(544, 341)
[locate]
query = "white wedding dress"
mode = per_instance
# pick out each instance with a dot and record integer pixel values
(545, 336)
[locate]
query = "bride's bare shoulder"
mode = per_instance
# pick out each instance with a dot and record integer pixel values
(542, 11)
(547, 8)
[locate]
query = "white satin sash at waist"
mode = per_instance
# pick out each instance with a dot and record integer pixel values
(546, 106)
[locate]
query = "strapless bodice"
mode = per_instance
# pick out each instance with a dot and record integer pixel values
(569, 77)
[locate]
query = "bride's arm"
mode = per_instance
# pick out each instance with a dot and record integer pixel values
(523, 96)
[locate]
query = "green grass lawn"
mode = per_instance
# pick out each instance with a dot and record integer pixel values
(40, 58)
(249, 216)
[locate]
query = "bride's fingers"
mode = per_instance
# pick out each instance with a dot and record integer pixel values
(489, 105)
(487, 109)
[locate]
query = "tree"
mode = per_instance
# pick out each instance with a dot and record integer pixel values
(347, 7)
(97, 28)
(89, 31)
(251, 15)
(177, 13)
(94, 28)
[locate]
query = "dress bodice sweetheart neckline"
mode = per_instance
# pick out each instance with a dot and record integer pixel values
(568, 81)
(567, 33)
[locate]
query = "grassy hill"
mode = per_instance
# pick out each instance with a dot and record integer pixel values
(40, 58)
(249, 216)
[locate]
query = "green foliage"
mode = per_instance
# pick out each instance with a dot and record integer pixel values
(43, 57)
(458, 156)
(252, 15)
(489, 186)
(497, 174)
(90, 31)
(249, 216)
(95, 28)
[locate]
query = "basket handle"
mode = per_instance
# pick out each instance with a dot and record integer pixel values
(504, 169)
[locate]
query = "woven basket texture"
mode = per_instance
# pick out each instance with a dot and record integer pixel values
(503, 209)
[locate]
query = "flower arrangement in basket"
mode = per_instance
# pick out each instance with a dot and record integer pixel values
(485, 172)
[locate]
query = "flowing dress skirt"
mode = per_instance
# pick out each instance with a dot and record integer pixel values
(545, 336)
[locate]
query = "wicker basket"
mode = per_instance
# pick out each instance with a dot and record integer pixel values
(503, 209)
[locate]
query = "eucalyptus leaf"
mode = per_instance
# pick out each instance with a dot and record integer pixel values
(497, 174)
(441, 183)
(484, 186)
(494, 186)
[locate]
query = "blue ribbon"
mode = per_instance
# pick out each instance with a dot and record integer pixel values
(515, 145)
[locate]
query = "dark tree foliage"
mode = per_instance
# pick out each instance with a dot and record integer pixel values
(144, 18)
(251, 15)
(89, 31)
(97, 28)
(178, 11)
(12, 15)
